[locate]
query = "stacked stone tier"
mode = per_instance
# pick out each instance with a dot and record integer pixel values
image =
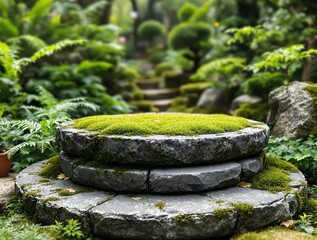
(163, 151)
(162, 180)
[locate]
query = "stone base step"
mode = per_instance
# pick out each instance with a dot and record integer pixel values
(162, 104)
(163, 93)
(215, 214)
(148, 84)
(162, 180)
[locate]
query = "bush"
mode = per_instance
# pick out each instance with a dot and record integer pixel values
(186, 12)
(255, 111)
(189, 35)
(150, 30)
(262, 84)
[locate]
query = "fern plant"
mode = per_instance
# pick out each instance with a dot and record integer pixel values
(33, 138)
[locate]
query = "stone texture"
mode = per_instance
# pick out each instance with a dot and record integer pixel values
(164, 150)
(291, 111)
(183, 217)
(62, 208)
(251, 166)
(245, 98)
(268, 208)
(145, 216)
(216, 100)
(194, 179)
(6, 190)
(106, 178)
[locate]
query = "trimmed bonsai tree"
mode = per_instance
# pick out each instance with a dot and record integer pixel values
(150, 30)
(186, 12)
(193, 36)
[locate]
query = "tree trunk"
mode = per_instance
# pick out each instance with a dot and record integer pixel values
(105, 17)
(135, 24)
(150, 11)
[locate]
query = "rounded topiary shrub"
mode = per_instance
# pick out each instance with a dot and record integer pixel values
(186, 12)
(150, 30)
(262, 84)
(189, 35)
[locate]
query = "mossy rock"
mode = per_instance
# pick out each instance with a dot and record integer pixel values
(144, 106)
(255, 111)
(163, 139)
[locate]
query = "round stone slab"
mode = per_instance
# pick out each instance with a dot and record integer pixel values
(162, 180)
(215, 214)
(163, 150)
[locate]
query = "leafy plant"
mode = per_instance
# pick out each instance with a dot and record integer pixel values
(70, 231)
(150, 30)
(306, 224)
(33, 138)
(224, 72)
(300, 152)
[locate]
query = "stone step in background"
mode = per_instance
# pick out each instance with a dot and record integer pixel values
(214, 214)
(162, 180)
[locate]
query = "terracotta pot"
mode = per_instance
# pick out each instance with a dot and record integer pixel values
(5, 164)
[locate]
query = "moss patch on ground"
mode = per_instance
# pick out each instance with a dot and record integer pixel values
(275, 233)
(255, 111)
(275, 176)
(52, 168)
(161, 124)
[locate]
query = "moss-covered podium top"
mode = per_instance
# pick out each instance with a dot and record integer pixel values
(162, 139)
(162, 124)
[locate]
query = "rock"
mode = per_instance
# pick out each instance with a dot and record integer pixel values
(216, 214)
(194, 179)
(7, 190)
(106, 178)
(216, 100)
(164, 150)
(251, 166)
(245, 98)
(291, 111)
(267, 208)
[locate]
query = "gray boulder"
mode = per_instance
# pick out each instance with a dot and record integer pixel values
(291, 111)
(217, 100)
(245, 98)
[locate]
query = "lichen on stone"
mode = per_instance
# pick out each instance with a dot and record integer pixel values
(160, 205)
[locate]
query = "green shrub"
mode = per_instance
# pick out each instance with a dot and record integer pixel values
(150, 30)
(186, 12)
(255, 111)
(300, 152)
(263, 83)
(189, 35)
(194, 88)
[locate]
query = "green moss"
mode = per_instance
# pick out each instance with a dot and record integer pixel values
(45, 200)
(276, 233)
(52, 168)
(161, 124)
(160, 205)
(300, 199)
(70, 192)
(44, 180)
(255, 111)
(271, 179)
(184, 219)
(194, 87)
(279, 163)
(222, 213)
(311, 207)
(243, 209)
(312, 90)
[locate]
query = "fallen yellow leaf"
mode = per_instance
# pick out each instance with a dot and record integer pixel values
(62, 176)
(244, 184)
(136, 198)
(71, 190)
(288, 223)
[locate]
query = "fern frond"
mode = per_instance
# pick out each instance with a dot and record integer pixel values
(18, 147)
(38, 11)
(7, 58)
(94, 9)
(4, 8)
(8, 29)
(31, 40)
(45, 97)
(49, 50)
(69, 106)
(26, 125)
